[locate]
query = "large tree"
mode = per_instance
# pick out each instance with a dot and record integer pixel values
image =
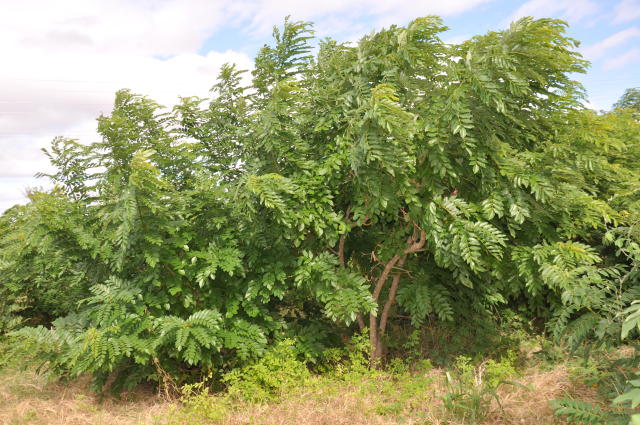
(412, 171)
(399, 174)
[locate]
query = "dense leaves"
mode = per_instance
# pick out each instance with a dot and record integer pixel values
(399, 176)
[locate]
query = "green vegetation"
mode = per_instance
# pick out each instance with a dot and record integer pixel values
(629, 100)
(367, 207)
(403, 389)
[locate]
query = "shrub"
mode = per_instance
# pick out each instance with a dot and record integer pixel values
(277, 373)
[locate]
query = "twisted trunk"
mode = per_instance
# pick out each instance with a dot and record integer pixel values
(378, 327)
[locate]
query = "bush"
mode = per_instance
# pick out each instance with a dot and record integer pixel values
(277, 373)
(471, 387)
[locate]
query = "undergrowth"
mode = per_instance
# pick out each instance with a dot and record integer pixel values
(611, 373)
(506, 386)
(407, 388)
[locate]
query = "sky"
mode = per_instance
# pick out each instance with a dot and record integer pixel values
(63, 60)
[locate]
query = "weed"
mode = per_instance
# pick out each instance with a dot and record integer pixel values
(198, 405)
(471, 388)
(278, 372)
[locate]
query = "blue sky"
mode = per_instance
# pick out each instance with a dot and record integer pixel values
(64, 60)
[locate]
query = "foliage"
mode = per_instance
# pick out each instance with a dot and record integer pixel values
(614, 319)
(197, 405)
(471, 388)
(396, 178)
(629, 100)
(395, 391)
(277, 371)
(581, 412)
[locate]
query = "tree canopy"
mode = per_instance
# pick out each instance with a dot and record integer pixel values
(325, 194)
(629, 100)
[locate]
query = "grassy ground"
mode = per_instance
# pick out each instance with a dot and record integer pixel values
(28, 398)
(378, 398)
(385, 400)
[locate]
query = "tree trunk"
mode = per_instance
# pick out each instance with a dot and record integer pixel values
(377, 328)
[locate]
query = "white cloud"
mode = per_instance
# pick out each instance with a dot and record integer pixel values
(5, 205)
(627, 11)
(622, 60)
(598, 50)
(13, 190)
(571, 10)
(161, 27)
(63, 61)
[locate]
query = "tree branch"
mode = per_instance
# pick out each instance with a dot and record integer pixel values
(417, 245)
(384, 276)
(413, 245)
(341, 250)
(343, 239)
(391, 298)
(375, 334)
(360, 320)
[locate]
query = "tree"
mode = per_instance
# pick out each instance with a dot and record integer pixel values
(629, 100)
(400, 175)
(404, 159)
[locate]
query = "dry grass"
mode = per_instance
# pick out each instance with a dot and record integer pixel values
(26, 398)
(522, 406)
(344, 409)
(351, 407)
